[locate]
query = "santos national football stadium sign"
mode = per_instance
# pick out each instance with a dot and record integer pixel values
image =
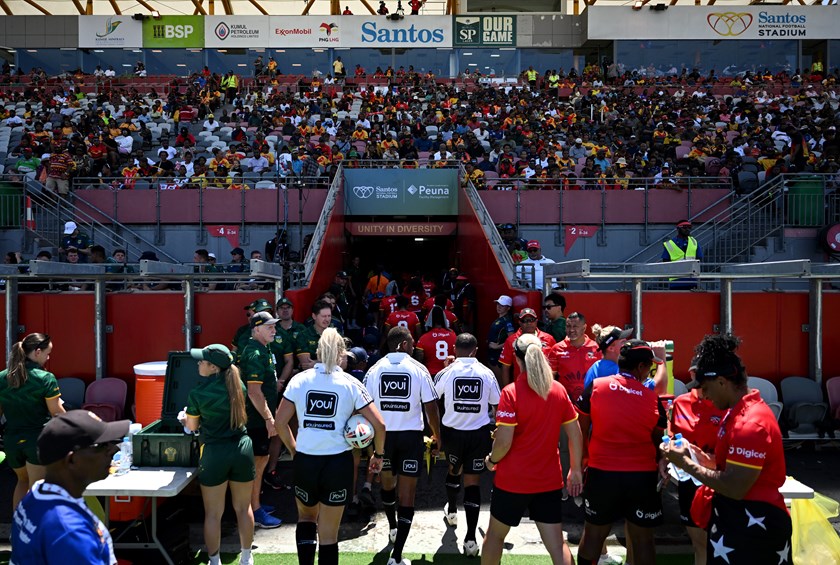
(714, 22)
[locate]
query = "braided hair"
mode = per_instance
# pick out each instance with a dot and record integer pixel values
(715, 356)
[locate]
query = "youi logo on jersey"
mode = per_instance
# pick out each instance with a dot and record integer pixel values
(395, 386)
(321, 404)
(467, 389)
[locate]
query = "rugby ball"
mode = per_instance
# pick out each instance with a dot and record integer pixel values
(358, 432)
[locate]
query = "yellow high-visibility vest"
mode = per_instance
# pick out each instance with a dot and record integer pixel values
(678, 254)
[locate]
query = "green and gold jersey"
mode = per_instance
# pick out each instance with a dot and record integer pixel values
(210, 401)
(25, 407)
(256, 365)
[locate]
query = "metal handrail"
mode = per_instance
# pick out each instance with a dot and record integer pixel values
(727, 215)
(493, 236)
(318, 235)
(58, 210)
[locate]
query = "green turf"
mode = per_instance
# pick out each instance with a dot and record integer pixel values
(382, 559)
(425, 559)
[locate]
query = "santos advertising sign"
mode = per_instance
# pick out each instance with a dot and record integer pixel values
(401, 192)
(425, 31)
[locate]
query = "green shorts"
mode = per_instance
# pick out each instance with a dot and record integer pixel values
(22, 449)
(224, 461)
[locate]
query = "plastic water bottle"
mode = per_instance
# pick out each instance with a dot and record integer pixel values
(125, 456)
(682, 475)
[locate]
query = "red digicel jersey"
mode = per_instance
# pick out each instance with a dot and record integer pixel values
(534, 449)
(697, 420)
(427, 305)
(571, 363)
(624, 415)
(750, 436)
(388, 305)
(436, 345)
(403, 318)
(506, 357)
(415, 301)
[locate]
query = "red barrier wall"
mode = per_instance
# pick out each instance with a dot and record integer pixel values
(182, 206)
(146, 326)
(261, 206)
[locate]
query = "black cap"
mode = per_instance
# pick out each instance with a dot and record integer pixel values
(285, 302)
(76, 430)
(341, 274)
(237, 251)
(614, 335)
(638, 351)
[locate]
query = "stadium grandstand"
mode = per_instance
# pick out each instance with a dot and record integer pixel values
(163, 164)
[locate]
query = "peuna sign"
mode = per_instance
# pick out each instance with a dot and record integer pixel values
(401, 192)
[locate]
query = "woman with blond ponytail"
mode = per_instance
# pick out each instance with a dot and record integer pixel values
(29, 397)
(217, 406)
(531, 414)
(323, 398)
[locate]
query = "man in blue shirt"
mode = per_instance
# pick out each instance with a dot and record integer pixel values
(52, 524)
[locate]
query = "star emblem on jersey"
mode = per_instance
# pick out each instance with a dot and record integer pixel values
(753, 521)
(721, 550)
(784, 554)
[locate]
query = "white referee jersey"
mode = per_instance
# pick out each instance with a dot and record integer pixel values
(323, 403)
(399, 386)
(468, 389)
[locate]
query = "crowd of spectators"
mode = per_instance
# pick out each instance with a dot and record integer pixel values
(591, 130)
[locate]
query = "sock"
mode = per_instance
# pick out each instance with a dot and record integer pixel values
(306, 534)
(406, 514)
(389, 501)
(472, 504)
(244, 554)
(328, 554)
(453, 485)
(215, 559)
(367, 486)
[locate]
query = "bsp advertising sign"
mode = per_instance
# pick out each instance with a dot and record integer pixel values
(485, 31)
(412, 32)
(401, 192)
(236, 31)
(715, 22)
(110, 31)
(306, 31)
(174, 31)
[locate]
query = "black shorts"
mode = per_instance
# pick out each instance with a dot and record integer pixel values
(404, 453)
(509, 507)
(632, 495)
(466, 448)
(327, 479)
(744, 532)
(260, 440)
(685, 492)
